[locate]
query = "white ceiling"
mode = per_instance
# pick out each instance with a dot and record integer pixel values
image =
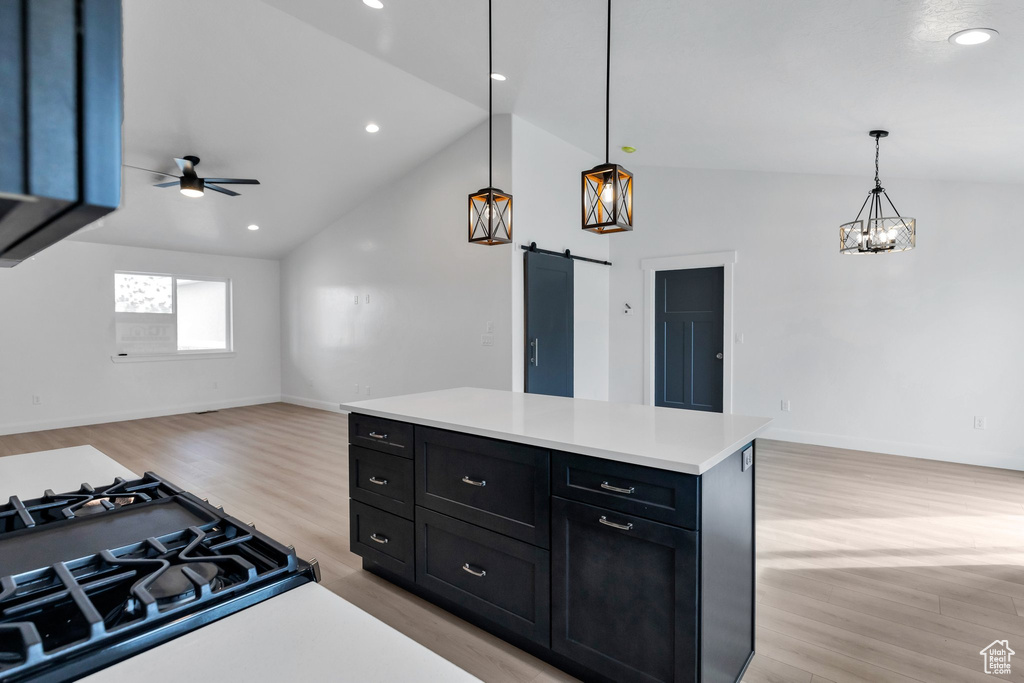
(783, 85)
(256, 93)
(281, 89)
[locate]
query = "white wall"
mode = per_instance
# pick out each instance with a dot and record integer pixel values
(546, 177)
(890, 353)
(57, 337)
(431, 292)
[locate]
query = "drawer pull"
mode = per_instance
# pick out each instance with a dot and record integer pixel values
(608, 487)
(378, 482)
(473, 482)
(628, 526)
(375, 435)
(475, 572)
(379, 539)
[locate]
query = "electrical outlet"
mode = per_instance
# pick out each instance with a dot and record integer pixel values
(357, 389)
(786, 405)
(490, 326)
(739, 337)
(355, 299)
(980, 422)
(367, 389)
(37, 400)
(748, 459)
(486, 340)
(367, 298)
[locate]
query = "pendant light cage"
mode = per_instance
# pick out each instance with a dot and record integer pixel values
(877, 233)
(490, 217)
(607, 199)
(490, 209)
(607, 188)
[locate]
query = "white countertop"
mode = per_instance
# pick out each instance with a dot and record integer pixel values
(63, 470)
(306, 634)
(666, 438)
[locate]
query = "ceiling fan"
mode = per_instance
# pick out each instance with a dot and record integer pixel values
(191, 185)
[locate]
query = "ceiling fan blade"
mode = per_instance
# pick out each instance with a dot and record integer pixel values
(232, 181)
(171, 184)
(149, 170)
(185, 165)
(208, 186)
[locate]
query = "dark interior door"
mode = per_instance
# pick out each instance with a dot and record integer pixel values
(689, 324)
(549, 324)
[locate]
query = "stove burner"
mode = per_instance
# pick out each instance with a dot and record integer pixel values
(98, 505)
(171, 586)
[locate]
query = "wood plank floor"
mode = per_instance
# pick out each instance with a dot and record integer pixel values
(870, 567)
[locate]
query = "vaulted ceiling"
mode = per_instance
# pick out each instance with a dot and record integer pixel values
(281, 90)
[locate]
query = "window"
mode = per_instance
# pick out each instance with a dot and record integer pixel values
(170, 314)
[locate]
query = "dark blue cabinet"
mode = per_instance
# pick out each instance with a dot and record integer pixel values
(623, 593)
(608, 570)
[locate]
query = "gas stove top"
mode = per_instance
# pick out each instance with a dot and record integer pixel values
(91, 577)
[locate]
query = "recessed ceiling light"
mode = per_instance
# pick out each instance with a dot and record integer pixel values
(372, 128)
(498, 77)
(375, 4)
(973, 36)
(254, 227)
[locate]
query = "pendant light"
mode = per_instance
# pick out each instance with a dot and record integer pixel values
(608, 187)
(490, 209)
(877, 233)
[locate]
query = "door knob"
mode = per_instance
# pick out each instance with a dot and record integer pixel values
(719, 356)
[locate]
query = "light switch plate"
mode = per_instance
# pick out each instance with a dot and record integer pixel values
(748, 458)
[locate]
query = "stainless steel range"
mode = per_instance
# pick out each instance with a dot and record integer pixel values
(91, 577)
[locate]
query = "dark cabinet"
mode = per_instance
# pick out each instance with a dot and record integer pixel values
(381, 480)
(609, 570)
(380, 434)
(498, 485)
(498, 578)
(669, 497)
(623, 593)
(383, 538)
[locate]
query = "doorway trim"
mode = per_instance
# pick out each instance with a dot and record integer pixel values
(650, 266)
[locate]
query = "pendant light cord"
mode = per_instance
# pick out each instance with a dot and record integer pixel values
(608, 86)
(490, 100)
(878, 183)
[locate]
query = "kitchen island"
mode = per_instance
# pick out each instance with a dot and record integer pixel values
(615, 541)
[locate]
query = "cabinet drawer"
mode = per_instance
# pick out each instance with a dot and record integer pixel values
(387, 436)
(669, 497)
(500, 579)
(383, 538)
(498, 485)
(381, 480)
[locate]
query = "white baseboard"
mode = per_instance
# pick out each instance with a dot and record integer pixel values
(1002, 460)
(82, 420)
(314, 403)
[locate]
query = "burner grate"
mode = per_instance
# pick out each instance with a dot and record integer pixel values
(78, 614)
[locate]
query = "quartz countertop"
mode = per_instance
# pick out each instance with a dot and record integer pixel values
(665, 438)
(306, 634)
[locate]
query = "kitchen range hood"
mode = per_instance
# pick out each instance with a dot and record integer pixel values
(60, 120)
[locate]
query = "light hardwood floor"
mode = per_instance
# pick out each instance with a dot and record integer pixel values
(870, 567)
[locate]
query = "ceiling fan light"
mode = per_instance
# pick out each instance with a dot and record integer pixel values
(192, 186)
